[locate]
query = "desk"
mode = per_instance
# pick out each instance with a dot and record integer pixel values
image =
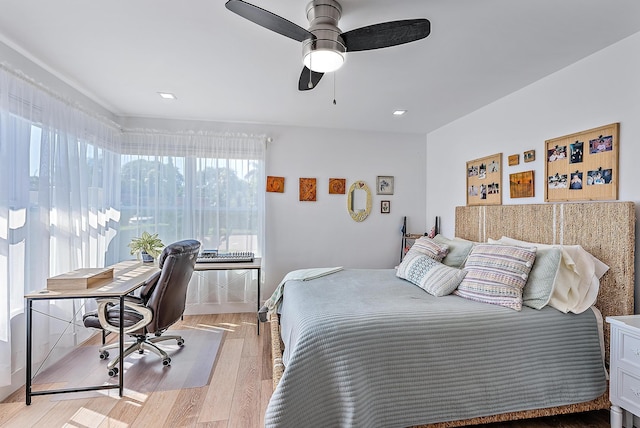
(254, 265)
(128, 276)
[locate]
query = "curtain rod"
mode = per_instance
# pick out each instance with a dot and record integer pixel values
(190, 133)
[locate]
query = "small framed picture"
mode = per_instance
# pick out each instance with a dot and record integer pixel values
(529, 155)
(384, 185)
(337, 186)
(308, 189)
(514, 160)
(385, 207)
(275, 184)
(521, 184)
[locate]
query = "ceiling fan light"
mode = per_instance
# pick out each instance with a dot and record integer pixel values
(323, 60)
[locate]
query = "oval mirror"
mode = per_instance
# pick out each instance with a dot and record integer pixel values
(359, 201)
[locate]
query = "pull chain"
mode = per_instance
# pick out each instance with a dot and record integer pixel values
(334, 88)
(310, 85)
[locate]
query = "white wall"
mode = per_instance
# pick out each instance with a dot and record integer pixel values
(321, 233)
(601, 89)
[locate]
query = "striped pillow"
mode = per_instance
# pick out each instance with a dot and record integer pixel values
(430, 275)
(430, 248)
(497, 274)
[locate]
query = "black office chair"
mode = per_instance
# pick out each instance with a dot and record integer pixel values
(160, 304)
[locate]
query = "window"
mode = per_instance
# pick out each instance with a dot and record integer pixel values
(76, 188)
(213, 200)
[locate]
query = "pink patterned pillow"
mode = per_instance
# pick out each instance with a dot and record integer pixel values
(497, 274)
(430, 248)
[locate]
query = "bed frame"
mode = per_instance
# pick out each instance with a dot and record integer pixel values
(605, 229)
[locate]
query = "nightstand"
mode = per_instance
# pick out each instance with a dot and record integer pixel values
(624, 358)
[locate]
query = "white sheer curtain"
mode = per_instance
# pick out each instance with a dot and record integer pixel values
(75, 188)
(58, 199)
(202, 185)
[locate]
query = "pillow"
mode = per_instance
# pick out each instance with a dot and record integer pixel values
(430, 275)
(430, 248)
(459, 249)
(539, 287)
(591, 270)
(497, 274)
(578, 280)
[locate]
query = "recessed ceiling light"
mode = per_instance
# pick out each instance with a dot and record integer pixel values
(399, 112)
(167, 96)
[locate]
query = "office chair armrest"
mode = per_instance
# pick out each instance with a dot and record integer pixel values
(113, 301)
(107, 303)
(149, 286)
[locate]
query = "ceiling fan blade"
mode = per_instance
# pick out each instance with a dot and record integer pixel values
(303, 83)
(268, 20)
(386, 34)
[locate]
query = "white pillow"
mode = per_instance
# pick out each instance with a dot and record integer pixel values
(459, 249)
(590, 270)
(578, 280)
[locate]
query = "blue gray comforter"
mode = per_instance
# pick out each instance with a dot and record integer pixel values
(364, 348)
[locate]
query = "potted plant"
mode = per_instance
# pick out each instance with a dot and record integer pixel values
(147, 245)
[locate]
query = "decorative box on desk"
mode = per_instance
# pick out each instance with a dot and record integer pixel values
(624, 388)
(80, 279)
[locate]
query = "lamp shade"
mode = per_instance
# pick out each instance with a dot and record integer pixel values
(323, 60)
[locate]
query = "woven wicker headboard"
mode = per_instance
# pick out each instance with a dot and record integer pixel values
(605, 229)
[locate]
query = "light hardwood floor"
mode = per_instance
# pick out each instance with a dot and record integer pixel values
(236, 396)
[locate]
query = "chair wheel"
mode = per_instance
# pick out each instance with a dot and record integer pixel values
(180, 342)
(113, 372)
(166, 361)
(104, 355)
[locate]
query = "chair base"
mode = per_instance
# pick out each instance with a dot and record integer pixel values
(141, 344)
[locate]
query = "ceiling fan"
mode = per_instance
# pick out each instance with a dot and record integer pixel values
(324, 45)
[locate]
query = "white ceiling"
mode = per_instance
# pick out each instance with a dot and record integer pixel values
(221, 67)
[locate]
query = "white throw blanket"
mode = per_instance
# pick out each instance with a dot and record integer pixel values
(273, 303)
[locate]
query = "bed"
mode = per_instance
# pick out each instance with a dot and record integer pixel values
(358, 354)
